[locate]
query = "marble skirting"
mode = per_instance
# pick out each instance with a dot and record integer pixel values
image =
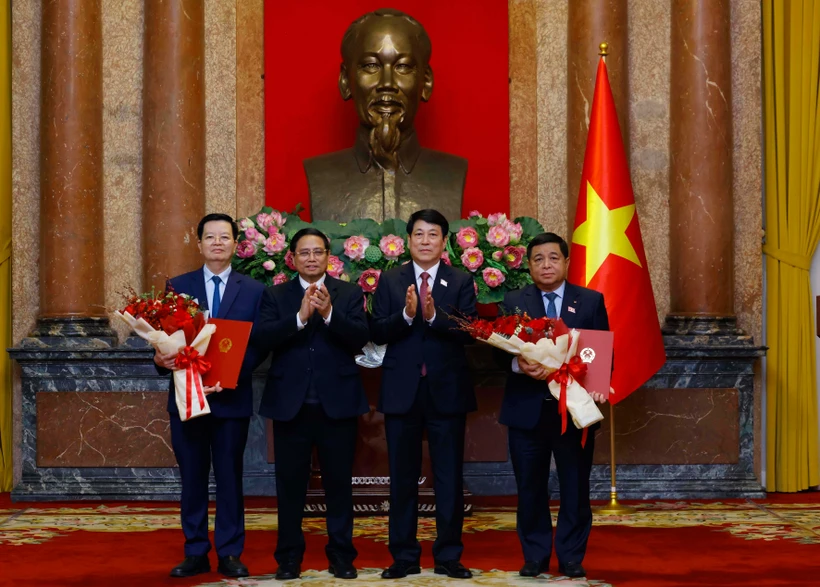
(95, 427)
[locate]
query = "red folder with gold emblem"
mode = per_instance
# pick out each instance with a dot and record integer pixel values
(226, 351)
(595, 349)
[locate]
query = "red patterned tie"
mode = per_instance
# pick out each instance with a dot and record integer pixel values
(423, 296)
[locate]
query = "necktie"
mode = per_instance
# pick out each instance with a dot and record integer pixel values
(216, 300)
(551, 311)
(423, 296)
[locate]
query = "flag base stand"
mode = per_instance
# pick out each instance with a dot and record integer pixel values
(614, 508)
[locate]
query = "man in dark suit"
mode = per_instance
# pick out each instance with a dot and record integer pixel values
(315, 325)
(425, 385)
(219, 438)
(531, 413)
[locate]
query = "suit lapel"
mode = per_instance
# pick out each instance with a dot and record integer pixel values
(408, 278)
(231, 291)
(570, 305)
(534, 302)
(440, 290)
(198, 289)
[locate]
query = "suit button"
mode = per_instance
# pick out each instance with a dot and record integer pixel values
(311, 349)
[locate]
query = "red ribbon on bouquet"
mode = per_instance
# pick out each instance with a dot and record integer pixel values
(194, 364)
(575, 369)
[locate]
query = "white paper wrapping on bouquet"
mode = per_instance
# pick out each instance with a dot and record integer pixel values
(372, 355)
(191, 400)
(552, 355)
(170, 344)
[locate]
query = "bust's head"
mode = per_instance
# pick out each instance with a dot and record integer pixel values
(386, 71)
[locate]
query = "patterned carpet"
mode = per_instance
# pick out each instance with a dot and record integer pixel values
(752, 530)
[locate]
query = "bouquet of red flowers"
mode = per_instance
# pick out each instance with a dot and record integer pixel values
(550, 343)
(175, 325)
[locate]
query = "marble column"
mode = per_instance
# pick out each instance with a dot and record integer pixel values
(590, 23)
(173, 180)
(72, 295)
(701, 230)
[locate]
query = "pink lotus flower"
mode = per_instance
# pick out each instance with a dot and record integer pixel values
(334, 266)
(497, 218)
(355, 247)
(246, 249)
(472, 258)
(497, 255)
(269, 265)
(513, 256)
(498, 236)
(474, 214)
(280, 278)
(493, 277)
(392, 246)
(467, 237)
(277, 219)
(245, 224)
(515, 229)
(445, 257)
(252, 234)
(475, 286)
(369, 280)
(265, 221)
(289, 261)
(275, 243)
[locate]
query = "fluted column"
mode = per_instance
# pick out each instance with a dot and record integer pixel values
(590, 23)
(173, 187)
(72, 294)
(701, 216)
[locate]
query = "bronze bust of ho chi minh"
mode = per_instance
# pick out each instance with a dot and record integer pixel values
(387, 174)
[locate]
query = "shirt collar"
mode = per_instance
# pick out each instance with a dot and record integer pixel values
(432, 272)
(559, 292)
(409, 150)
(223, 277)
(306, 285)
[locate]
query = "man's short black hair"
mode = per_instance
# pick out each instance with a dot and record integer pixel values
(429, 216)
(548, 237)
(217, 218)
(309, 231)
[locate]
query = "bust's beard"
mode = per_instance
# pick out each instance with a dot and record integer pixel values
(385, 137)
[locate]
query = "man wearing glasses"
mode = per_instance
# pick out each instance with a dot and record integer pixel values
(314, 325)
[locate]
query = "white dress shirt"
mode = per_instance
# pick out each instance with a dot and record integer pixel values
(299, 324)
(209, 285)
(432, 272)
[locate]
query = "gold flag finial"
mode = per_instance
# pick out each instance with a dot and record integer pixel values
(603, 49)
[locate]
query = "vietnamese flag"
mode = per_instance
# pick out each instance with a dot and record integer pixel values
(607, 249)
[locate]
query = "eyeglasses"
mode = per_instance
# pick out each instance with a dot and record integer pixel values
(306, 254)
(211, 238)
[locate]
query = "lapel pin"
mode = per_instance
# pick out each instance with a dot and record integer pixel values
(571, 309)
(442, 282)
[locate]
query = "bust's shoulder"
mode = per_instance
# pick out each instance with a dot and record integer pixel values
(442, 159)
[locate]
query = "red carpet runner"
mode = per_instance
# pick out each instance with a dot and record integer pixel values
(774, 542)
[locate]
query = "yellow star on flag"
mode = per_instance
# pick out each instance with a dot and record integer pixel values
(604, 232)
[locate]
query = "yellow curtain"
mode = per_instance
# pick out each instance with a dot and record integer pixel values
(791, 58)
(5, 247)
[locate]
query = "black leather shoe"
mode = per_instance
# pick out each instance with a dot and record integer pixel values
(533, 569)
(342, 569)
(572, 570)
(231, 566)
(453, 569)
(400, 569)
(192, 565)
(288, 571)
